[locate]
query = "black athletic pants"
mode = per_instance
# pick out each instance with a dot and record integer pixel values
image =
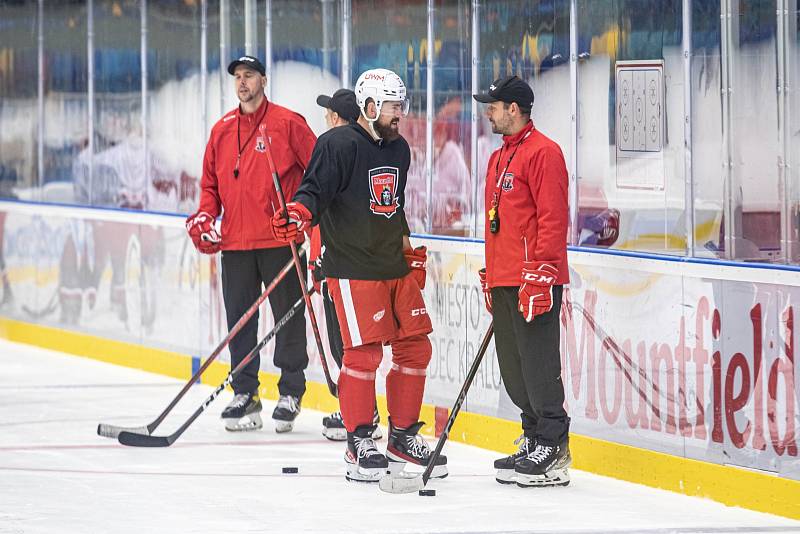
(530, 364)
(243, 273)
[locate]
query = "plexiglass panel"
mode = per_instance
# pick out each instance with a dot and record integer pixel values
(529, 39)
(630, 126)
(19, 175)
(394, 36)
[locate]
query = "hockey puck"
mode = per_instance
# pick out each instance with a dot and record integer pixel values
(290, 470)
(427, 493)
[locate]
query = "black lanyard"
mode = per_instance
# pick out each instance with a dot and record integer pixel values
(239, 146)
(494, 212)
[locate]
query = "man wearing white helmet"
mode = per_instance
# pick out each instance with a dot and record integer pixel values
(354, 188)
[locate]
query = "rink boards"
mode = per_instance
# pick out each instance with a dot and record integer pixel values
(678, 374)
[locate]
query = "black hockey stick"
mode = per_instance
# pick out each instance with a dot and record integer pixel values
(113, 431)
(52, 304)
(306, 295)
(405, 484)
(135, 439)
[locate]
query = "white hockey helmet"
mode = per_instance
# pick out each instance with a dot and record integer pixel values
(381, 85)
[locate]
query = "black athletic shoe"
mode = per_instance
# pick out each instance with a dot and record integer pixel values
(364, 462)
(545, 465)
(407, 446)
(243, 413)
(505, 466)
(286, 411)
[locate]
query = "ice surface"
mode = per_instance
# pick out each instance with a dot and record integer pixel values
(58, 476)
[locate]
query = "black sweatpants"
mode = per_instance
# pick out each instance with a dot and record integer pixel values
(243, 273)
(530, 363)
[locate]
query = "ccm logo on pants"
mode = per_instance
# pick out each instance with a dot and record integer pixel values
(418, 311)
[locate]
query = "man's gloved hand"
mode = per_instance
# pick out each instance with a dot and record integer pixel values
(487, 291)
(287, 225)
(536, 291)
(201, 229)
(416, 259)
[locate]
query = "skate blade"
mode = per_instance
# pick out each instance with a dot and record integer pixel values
(556, 477)
(335, 434)
(283, 426)
(245, 424)
(403, 469)
(506, 476)
(355, 473)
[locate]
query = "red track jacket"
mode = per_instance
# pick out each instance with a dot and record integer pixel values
(533, 207)
(249, 201)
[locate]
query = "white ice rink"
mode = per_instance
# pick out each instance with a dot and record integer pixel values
(58, 476)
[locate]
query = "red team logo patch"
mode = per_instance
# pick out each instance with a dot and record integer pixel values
(383, 189)
(508, 182)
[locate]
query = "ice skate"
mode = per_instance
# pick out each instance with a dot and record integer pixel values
(286, 411)
(545, 466)
(333, 427)
(406, 446)
(364, 461)
(242, 414)
(505, 466)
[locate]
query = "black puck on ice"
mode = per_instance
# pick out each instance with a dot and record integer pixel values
(427, 493)
(290, 470)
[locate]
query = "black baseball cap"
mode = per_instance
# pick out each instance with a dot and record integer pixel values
(248, 61)
(509, 89)
(342, 102)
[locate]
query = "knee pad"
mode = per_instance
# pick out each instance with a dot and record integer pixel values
(412, 352)
(362, 361)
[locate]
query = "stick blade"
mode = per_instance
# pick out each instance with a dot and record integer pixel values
(113, 431)
(401, 484)
(133, 439)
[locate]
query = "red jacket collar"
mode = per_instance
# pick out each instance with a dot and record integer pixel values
(517, 137)
(259, 112)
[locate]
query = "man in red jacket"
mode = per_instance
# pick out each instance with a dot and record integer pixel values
(236, 182)
(527, 216)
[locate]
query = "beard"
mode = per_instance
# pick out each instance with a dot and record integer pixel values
(500, 127)
(389, 130)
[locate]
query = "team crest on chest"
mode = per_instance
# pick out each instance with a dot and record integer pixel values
(260, 146)
(508, 182)
(383, 190)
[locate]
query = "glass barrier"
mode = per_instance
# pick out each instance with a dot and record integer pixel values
(391, 36)
(631, 175)
(19, 72)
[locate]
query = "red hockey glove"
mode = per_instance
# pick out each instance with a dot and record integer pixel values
(288, 229)
(536, 291)
(416, 260)
(204, 234)
(487, 291)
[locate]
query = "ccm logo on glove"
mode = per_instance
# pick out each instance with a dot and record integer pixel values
(416, 259)
(536, 291)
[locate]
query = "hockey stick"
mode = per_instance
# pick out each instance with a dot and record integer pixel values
(113, 431)
(135, 439)
(401, 484)
(47, 310)
(306, 296)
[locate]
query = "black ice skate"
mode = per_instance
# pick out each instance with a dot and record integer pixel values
(333, 427)
(243, 413)
(285, 413)
(407, 446)
(545, 466)
(364, 461)
(505, 466)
